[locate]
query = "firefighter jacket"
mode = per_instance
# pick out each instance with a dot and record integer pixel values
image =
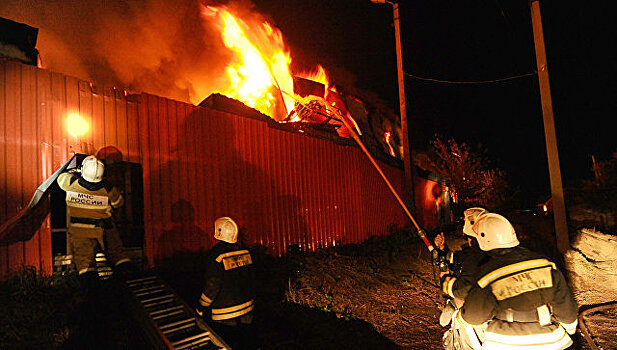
(526, 300)
(228, 287)
(463, 266)
(89, 205)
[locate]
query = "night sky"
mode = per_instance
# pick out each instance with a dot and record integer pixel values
(474, 40)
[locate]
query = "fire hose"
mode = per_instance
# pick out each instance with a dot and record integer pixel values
(583, 326)
(437, 258)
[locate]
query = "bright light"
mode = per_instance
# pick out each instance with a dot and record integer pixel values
(76, 125)
(388, 137)
(260, 66)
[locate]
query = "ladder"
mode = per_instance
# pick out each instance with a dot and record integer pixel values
(167, 321)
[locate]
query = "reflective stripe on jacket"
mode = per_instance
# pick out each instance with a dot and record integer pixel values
(229, 282)
(87, 204)
(526, 300)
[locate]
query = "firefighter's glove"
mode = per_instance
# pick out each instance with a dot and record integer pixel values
(446, 314)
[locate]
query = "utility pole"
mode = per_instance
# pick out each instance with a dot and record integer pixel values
(559, 207)
(407, 166)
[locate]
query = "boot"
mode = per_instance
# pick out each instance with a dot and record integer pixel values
(126, 271)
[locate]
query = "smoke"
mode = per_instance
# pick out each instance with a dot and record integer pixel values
(156, 46)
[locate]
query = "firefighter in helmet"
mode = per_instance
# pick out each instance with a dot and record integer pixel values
(89, 202)
(458, 280)
(228, 295)
(462, 263)
(521, 294)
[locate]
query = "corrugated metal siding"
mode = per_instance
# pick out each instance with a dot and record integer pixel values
(34, 143)
(283, 188)
(198, 164)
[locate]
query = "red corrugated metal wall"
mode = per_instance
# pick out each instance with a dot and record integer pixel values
(34, 104)
(283, 188)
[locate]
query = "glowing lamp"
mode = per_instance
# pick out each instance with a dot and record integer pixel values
(76, 125)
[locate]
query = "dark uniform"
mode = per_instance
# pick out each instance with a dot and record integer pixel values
(228, 289)
(228, 295)
(463, 265)
(526, 300)
(89, 209)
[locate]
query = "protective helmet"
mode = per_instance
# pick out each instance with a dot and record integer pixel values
(494, 231)
(471, 216)
(225, 229)
(92, 169)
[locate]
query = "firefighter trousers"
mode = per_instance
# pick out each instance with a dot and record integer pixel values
(85, 245)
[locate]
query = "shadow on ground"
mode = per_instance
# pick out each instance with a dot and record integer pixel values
(279, 324)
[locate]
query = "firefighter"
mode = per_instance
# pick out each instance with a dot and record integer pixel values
(462, 263)
(90, 201)
(228, 295)
(89, 204)
(522, 295)
(457, 281)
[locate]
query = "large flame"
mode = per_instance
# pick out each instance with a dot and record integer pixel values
(319, 75)
(259, 72)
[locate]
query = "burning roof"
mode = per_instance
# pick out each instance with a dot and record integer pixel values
(193, 51)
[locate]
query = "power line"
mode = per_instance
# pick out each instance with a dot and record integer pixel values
(472, 82)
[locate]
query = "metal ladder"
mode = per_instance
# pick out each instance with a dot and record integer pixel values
(167, 321)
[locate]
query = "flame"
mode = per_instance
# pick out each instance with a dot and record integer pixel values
(319, 75)
(388, 137)
(259, 72)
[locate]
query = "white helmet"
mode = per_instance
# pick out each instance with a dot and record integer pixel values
(494, 231)
(471, 216)
(225, 229)
(92, 169)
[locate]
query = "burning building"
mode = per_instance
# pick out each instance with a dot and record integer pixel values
(290, 177)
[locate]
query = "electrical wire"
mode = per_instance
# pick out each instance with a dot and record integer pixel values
(471, 82)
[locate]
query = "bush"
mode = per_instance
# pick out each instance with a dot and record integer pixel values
(469, 173)
(36, 309)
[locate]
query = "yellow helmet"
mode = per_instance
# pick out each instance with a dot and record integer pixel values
(225, 229)
(92, 169)
(494, 231)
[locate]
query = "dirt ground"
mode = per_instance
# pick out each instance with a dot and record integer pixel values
(339, 299)
(380, 294)
(354, 298)
(591, 265)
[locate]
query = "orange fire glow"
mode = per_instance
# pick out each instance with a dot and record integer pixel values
(259, 69)
(388, 137)
(76, 125)
(319, 75)
(259, 72)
